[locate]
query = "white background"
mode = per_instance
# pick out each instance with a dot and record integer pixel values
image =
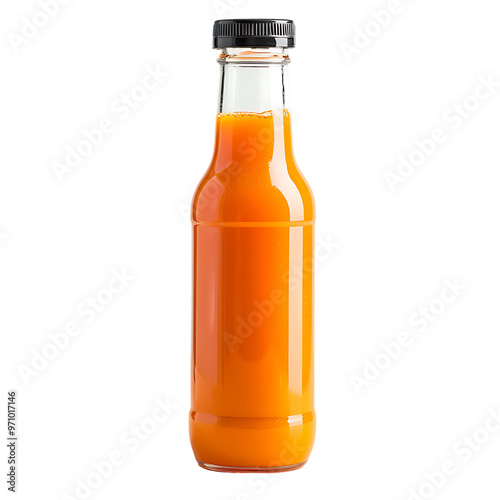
(124, 207)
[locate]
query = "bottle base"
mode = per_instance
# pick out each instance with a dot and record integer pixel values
(253, 470)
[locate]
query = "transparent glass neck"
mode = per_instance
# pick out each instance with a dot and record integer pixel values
(253, 80)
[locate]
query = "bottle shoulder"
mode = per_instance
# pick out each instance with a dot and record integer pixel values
(267, 193)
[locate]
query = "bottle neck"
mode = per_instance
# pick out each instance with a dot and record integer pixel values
(253, 80)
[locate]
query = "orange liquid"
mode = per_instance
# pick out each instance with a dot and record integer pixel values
(252, 365)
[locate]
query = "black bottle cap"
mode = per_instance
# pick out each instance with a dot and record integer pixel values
(254, 33)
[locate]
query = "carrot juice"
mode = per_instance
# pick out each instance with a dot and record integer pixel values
(252, 375)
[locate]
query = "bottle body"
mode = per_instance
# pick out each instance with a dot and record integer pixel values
(252, 379)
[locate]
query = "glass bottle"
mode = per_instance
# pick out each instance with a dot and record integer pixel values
(252, 380)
